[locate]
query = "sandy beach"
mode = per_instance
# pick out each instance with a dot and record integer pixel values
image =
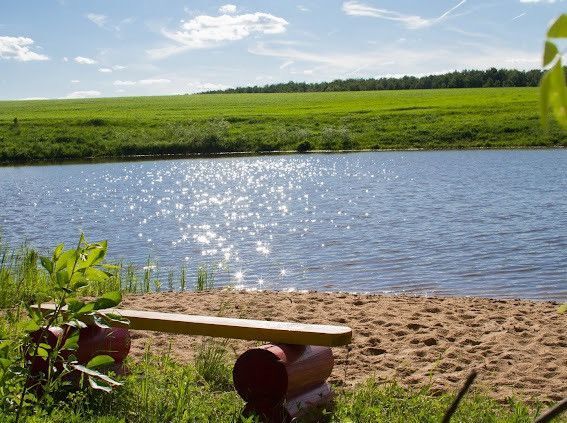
(519, 347)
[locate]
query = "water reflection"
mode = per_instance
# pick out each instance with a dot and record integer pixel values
(479, 223)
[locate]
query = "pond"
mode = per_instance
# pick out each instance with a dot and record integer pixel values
(486, 223)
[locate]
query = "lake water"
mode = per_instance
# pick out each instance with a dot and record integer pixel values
(489, 223)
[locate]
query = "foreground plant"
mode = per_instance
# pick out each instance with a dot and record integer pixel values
(552, 87)
(41, 363)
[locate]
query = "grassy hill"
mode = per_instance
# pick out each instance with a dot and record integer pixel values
(119, 127)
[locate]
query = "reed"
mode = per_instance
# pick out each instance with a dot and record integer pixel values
(205, 279)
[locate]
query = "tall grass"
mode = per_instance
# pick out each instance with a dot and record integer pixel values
(160, 389)
(205, 279)
(20, 279)
(23, 281)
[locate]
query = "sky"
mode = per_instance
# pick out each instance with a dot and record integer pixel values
(107, 48)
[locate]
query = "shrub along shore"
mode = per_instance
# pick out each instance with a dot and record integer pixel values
(54, 130)
(391, 374)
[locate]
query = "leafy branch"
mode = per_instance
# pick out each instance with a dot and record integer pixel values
(45, 358)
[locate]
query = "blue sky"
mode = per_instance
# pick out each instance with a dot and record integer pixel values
(104, 48)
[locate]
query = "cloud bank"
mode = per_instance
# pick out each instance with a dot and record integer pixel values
(211, 31)
(19, 49)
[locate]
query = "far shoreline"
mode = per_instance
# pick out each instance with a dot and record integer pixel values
(94, 160)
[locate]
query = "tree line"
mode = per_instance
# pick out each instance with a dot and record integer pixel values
(459, 79)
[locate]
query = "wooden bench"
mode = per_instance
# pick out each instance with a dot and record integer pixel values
(224, 327)
(279, 381)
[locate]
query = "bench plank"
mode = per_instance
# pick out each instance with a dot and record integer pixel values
(224, 327)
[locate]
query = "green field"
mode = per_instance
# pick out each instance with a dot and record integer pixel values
(119, 127)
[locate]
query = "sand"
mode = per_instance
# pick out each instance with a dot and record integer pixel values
(519, 347)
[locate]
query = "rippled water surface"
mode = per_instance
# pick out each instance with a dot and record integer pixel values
(488, 223)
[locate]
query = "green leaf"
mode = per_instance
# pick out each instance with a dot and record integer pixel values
(562, 309)
(75, 305)
(57, 252)
(93, 256)
(99, 386)
(95, 275)
(111, 266)
(42, 352)
(96, 374)
(78, 281)
(100, 361)
(31, 326)
(554, 94)
(47, 264)
(108, 300)
(77, 324)
(100, 321)
(62, 278)
(558, 29)
(45, 346)
(72, 343)
(549, 53)
(5, 363)
(116, 318)
(87, 308)
(64, 259)
(5, 345)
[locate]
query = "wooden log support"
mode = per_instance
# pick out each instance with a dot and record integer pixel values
(93, 341)
(276, 372)
(280, 382)
(308, 404)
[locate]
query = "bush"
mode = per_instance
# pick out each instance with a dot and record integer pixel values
(337, 139)
(304, 146)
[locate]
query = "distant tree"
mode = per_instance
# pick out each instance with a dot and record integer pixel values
(458, 79)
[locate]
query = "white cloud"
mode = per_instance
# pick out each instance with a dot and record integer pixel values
(539, 1)
(286, 64)
(302, 8)
(105, 70)
(153, 81)
(18, 48)
(211, 31)
(197, 87)
(228, 9)
(405, 60)
(120, 83)
(83, 94)
(33, 98)
(156, 81)
(97, 19)
(118, 67)
(84, 60)
(65, 59)
(355, 8)
(75, 81)
(519, 16)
